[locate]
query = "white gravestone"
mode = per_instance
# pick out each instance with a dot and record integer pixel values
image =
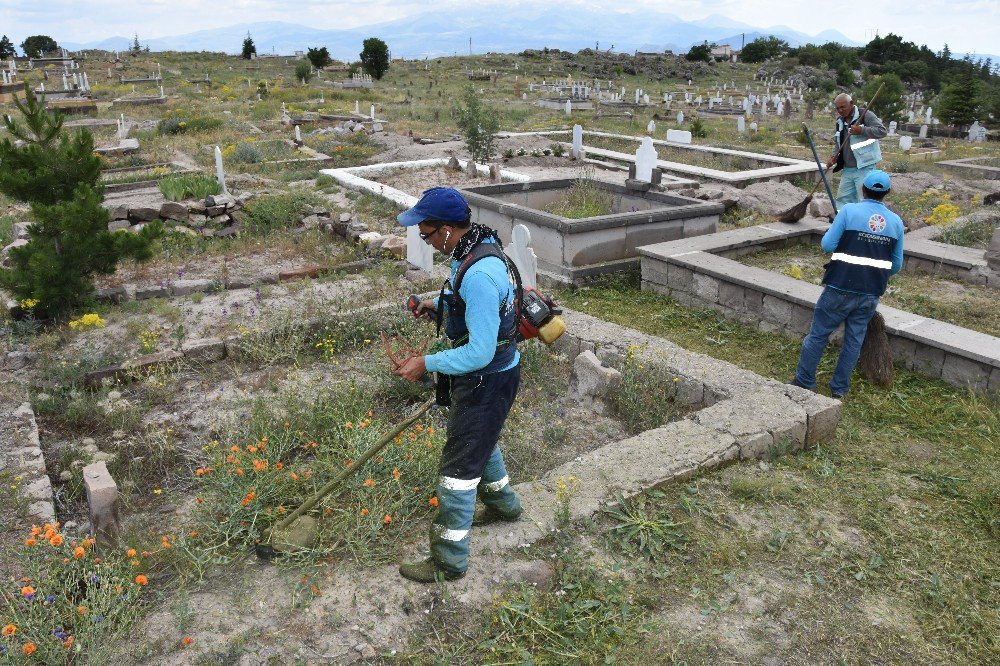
(220, 175)
(645, 160)
(357, 108)
(645, 98)
(678, 136)
(741, 124)
(977, 133)
(298, 134)
(418, 253)
(651, 127)
(923, 131)
(577, 150)
(753, 127)
(680, 117)
(373, 112)
(892, 128)
(905, 143)
(522, 255)
(569, 108)
(928, 114)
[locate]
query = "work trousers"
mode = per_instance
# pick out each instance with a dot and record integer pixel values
(471, 461)
(832, 308)
(851, 180)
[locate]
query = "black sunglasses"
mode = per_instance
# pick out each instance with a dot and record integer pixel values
(425, 236)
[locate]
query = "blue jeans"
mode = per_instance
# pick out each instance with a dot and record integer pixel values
(849, 190)
(833, 308)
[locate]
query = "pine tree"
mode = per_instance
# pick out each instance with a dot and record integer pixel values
(375, 57)
(961, 101)
(69, 241)
(249, 49)
(6, 48)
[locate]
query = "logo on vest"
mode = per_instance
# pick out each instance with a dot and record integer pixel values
(876, 223)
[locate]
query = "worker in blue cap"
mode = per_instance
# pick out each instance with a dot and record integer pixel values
(483, 370)
(866, 246)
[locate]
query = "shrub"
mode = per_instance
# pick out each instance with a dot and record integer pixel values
(267, 213)
(698, 129)
(303, 72)
(557, 149)
(584, 199)
(181, 124)
(188, 186)
(247, 153)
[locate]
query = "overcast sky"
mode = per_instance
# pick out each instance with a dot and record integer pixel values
(965, 25)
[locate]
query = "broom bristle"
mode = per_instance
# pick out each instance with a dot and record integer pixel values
(796, 212)
(875, 362)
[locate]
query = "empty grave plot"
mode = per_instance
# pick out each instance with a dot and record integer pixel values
(575, 242)
(414, 181)
(706, 159)
(956, 302)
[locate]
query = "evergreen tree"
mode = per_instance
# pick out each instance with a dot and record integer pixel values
(136, 46)
(38, 45)
(890, 105)
(961, 101)
(6, 48)
(319, 57)
(249, 49)
(700, 53)
(69, 242)
(479, 125)
(375, 57)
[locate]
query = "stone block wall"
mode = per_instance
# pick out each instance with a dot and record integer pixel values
(694, 272)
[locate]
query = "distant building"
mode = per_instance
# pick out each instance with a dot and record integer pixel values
(725, 52)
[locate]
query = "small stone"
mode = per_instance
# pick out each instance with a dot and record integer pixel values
(395, 246)
(88, 441)
(65, 475)
(454, 164)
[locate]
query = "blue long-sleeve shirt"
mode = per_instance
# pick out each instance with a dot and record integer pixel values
(484, 286)
(866, 243)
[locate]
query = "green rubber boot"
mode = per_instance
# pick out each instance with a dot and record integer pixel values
(427, 571)
(486, 514)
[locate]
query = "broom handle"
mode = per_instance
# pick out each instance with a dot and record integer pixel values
(822, 172)
(365, 457)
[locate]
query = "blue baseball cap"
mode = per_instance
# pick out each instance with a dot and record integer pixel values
(442, 204)
(877, 181)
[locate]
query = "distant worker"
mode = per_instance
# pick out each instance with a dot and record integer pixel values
(866, 243)
(859, 155)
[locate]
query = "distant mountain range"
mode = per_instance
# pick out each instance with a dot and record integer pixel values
(434, 34)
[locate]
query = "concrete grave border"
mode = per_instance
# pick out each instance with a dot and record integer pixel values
(967, 167)
(702, 272)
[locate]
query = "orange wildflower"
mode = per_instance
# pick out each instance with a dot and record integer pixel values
(278, 466)
(82, 610)
(198, 500)
(145, 553)
(430, 431)
(369, 483)
(134, 563)
(259, 465)
(364, 512)
(130, 553)
(396, 473)
(234, 448)
(239, 472)
(433, 501)
(187, 640)
(141, 580)
(295, 477)
(30, 541)
(252, 449)
(27, 591)
(56, 540)
(9, 630)
(420, 427)
(28, 648)
(35, 530)
(287, 424)
(387, 520)
(68, 643)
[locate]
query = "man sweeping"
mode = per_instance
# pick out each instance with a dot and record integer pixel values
(483, 370)
(856, 158)
(866, 242)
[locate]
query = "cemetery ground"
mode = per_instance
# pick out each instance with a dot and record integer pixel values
(879, 544)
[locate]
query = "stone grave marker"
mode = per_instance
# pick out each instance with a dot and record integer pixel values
(645, 160)
(977, 133)
(923, 131)
(522, 255)
(569, 108)
(680, 117)
(905, 143)
(928, 114)
(577, 150)
(679, 136)
(220, 174)
(651, 127)
(753, 127)
(741, 124)
(892, 128)
(418, 253)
